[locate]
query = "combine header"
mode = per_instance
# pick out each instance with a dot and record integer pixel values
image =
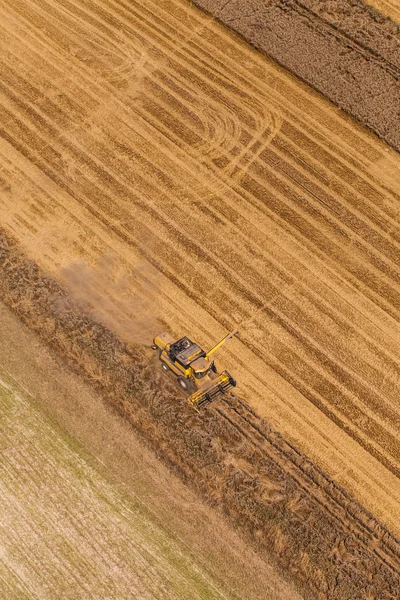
(196, 373)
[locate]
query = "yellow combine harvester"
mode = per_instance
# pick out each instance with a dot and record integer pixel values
(196, 373)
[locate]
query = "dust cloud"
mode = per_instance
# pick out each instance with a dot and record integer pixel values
(124, 299)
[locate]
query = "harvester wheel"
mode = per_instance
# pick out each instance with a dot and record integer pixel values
(165, 367)
(183, 383)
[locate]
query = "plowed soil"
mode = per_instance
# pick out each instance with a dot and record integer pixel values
(343, 48)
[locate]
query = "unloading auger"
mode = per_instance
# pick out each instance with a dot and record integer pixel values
(196, 373)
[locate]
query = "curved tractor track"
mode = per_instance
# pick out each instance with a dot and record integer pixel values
(344, 49)
(173, 178)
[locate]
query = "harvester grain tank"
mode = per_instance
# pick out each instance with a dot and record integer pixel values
(196, 373)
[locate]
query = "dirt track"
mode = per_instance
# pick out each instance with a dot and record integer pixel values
(227, 191)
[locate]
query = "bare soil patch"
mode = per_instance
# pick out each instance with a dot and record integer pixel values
(283, 503)
(345, 49)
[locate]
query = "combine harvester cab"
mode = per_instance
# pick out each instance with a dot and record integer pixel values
(192, 365)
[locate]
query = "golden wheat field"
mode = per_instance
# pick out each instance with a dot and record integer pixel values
(175, 179)
(391, 8)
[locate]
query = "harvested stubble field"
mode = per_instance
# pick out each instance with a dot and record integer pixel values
(389, 8)
(202, 188)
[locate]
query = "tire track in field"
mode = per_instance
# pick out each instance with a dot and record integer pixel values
(281, 98)
(232, 81)
(352, 64)
(218, 132)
